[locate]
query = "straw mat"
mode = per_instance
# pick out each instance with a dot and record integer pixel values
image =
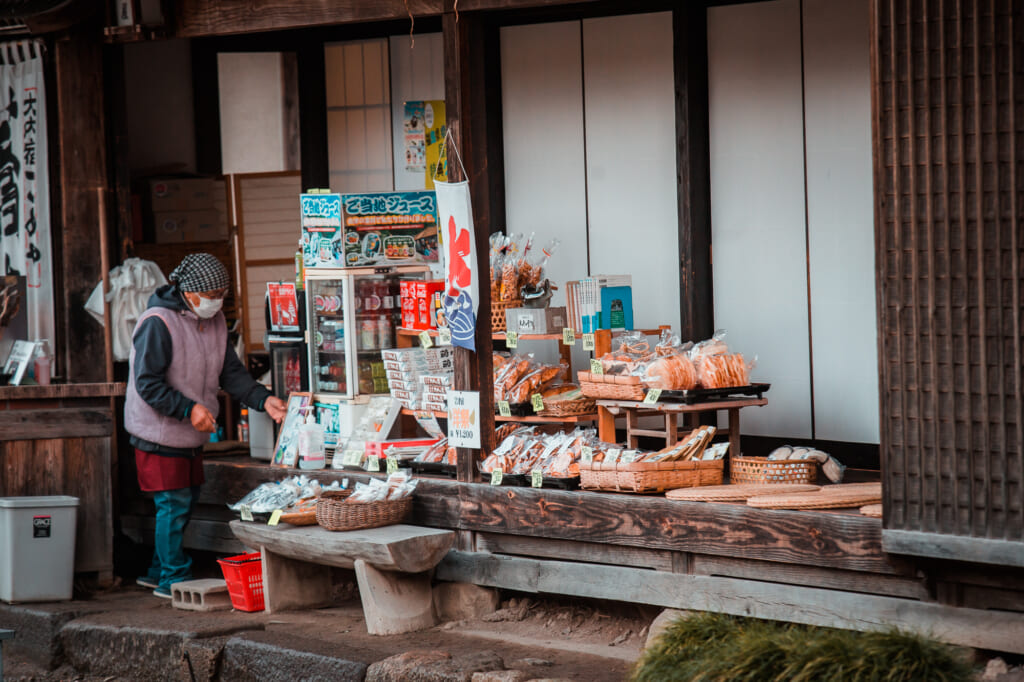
(872, 510)
(829, 497)
(736, 492)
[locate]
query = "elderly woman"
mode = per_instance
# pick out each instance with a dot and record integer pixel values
(180, 358)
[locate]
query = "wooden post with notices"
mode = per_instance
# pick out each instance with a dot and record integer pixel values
(471, 61)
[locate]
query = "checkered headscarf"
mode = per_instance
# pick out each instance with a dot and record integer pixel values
(201, 272)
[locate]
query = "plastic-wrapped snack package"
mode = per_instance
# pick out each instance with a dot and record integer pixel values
(535, 265)
(510, 374)
(671, 372)
(509, 271)
(630, 352)
(724, 371)
(402, 490)
(522, 262)
(374, 491)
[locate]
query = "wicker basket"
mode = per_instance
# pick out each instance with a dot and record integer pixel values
(611, 386)
(568, 408)
(764, 470)
(336, 513)
(649, 477)
(498, 309)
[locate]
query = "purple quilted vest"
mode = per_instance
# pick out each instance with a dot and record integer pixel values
(197, 357)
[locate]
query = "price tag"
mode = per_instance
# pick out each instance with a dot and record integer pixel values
(392, 465)
(425, 339)
(652, 396)
(275, 518)
(373, 464)
(587, 454)
(503, 408)
(352, 458)
(511, 339)
(536, 478)
(588, 342)
(444, 336)
(569, 336)
(246, 512)
(537, 401)
(628, 456)
(612, 455)
(496, 477)
(596, 367)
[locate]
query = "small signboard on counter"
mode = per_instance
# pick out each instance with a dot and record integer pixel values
(322, 238)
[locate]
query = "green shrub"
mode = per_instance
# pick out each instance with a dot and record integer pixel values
(710, 647)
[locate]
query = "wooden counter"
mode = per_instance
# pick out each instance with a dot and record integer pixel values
(59, 440)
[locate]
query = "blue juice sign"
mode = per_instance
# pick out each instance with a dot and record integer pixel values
(322, 234)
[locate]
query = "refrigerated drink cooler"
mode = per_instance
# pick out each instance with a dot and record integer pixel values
(352, 315)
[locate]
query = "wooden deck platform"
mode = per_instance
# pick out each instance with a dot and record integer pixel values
(818, 567)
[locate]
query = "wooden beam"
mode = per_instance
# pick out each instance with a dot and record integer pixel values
(999, 630)
(690, 51)
(590, 552)
(473, 118)
(313, 116)
(206, 107)
(208, 536)
(82, 161)
(953, 547)
(46, 424)
(202, 18)
(846, 541)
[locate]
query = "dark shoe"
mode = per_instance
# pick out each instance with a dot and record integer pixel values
(147, 582)
(162, 592)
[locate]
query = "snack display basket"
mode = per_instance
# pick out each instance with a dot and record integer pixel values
(649, 477)
(568, 408)
(764, 470)
(334, 512)
(611, 386)
(244, 577)
(498, 313)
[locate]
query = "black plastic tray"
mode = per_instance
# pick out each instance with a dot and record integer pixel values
(434, 469)
(710, 395)
(517, 410)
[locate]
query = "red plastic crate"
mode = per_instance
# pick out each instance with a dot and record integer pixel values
(244, 575)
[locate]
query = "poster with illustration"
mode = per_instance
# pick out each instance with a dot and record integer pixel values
(434, 130)
(286, 452)
(389, 228)
(320, 218)
(412, 128)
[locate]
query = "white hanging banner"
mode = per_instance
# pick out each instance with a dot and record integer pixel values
(455, 218)
(24, 188)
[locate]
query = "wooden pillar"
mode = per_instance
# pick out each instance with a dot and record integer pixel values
(472, 109)
(690, 49)
(82, 169)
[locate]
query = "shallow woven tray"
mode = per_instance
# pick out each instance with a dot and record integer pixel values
(829, 497)
(610, 386)
(568, 408)
(872, 510)
(649, 477)
(764, 470)
(336, 513)
(739, 492)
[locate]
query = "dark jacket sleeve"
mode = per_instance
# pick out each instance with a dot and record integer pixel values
(237, 381)
(153, 352)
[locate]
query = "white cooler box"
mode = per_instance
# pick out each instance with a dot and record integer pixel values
(37, 548)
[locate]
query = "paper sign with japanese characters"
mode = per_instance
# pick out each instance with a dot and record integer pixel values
(464, 419)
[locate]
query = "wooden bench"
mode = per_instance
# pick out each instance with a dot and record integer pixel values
(392, 566)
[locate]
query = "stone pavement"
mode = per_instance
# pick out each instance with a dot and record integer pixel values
(128, 634)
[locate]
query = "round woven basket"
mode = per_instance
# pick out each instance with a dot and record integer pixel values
(340, 514)
(737, 493)
(764, 470)
(498, 309)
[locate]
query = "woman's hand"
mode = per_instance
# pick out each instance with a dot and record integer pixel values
(202, 420)
(276, 408)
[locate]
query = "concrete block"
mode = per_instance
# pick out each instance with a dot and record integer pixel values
(201, 595)
(462, 601)
(394, 603)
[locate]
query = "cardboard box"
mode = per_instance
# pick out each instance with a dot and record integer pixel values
(536, 320)
(189, 226)
(184, 194)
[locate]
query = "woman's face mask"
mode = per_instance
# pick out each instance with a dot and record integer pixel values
(206, 304)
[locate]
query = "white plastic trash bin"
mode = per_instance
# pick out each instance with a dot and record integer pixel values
(37, 548)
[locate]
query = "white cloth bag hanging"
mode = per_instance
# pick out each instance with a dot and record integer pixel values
(131, 285)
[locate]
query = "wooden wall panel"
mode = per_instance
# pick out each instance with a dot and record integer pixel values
(948, 126)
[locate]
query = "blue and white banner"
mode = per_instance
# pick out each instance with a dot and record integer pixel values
(24, 189)
(455, 219)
